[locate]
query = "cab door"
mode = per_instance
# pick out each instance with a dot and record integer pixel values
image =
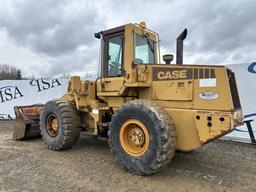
(113, 63)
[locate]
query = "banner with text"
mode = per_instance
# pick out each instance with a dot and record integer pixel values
(39, 91)
(246, 83)
(28, 92)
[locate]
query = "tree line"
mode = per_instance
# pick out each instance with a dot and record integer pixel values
(8, 72)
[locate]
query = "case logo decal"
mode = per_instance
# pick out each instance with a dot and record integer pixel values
(181, 73)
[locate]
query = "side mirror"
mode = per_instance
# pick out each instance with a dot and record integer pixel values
(97, 35)
(168, 58)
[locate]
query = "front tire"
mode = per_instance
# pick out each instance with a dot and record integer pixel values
(142, 137)
(60, 124)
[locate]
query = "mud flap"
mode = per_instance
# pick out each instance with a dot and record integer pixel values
(27, 121)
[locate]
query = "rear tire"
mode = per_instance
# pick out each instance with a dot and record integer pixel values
(160, 129)
(60, 124)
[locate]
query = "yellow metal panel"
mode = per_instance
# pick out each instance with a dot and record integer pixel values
(192, 132)
(224, 100)
(186, 132)
(112, 84)
(212, 125)
(75, 84)
(173, 90)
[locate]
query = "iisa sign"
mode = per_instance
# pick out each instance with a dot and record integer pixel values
(252, 67)
(246, 82)
(28, 92)
(8, 93)
(45, 84)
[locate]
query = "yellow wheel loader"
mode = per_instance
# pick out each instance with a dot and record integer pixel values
(146, 110)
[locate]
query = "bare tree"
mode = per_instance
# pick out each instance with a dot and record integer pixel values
(8, 72)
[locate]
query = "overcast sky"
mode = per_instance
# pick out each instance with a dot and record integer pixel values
(52, 37)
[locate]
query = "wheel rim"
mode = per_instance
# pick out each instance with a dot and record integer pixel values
(52, 125)
(134, 137)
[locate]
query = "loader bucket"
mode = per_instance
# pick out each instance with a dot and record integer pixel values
(27, 121)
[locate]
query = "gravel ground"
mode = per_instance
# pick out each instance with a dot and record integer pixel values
(89, 166)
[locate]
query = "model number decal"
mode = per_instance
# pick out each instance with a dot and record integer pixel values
(209, 95)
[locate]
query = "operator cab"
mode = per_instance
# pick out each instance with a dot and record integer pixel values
(126, 45)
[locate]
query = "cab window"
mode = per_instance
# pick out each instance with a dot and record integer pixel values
(114, 56)
(144, 49)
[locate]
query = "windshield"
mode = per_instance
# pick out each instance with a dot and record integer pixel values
(144, 49)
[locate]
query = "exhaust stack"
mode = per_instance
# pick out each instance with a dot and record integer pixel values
(179, 47)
